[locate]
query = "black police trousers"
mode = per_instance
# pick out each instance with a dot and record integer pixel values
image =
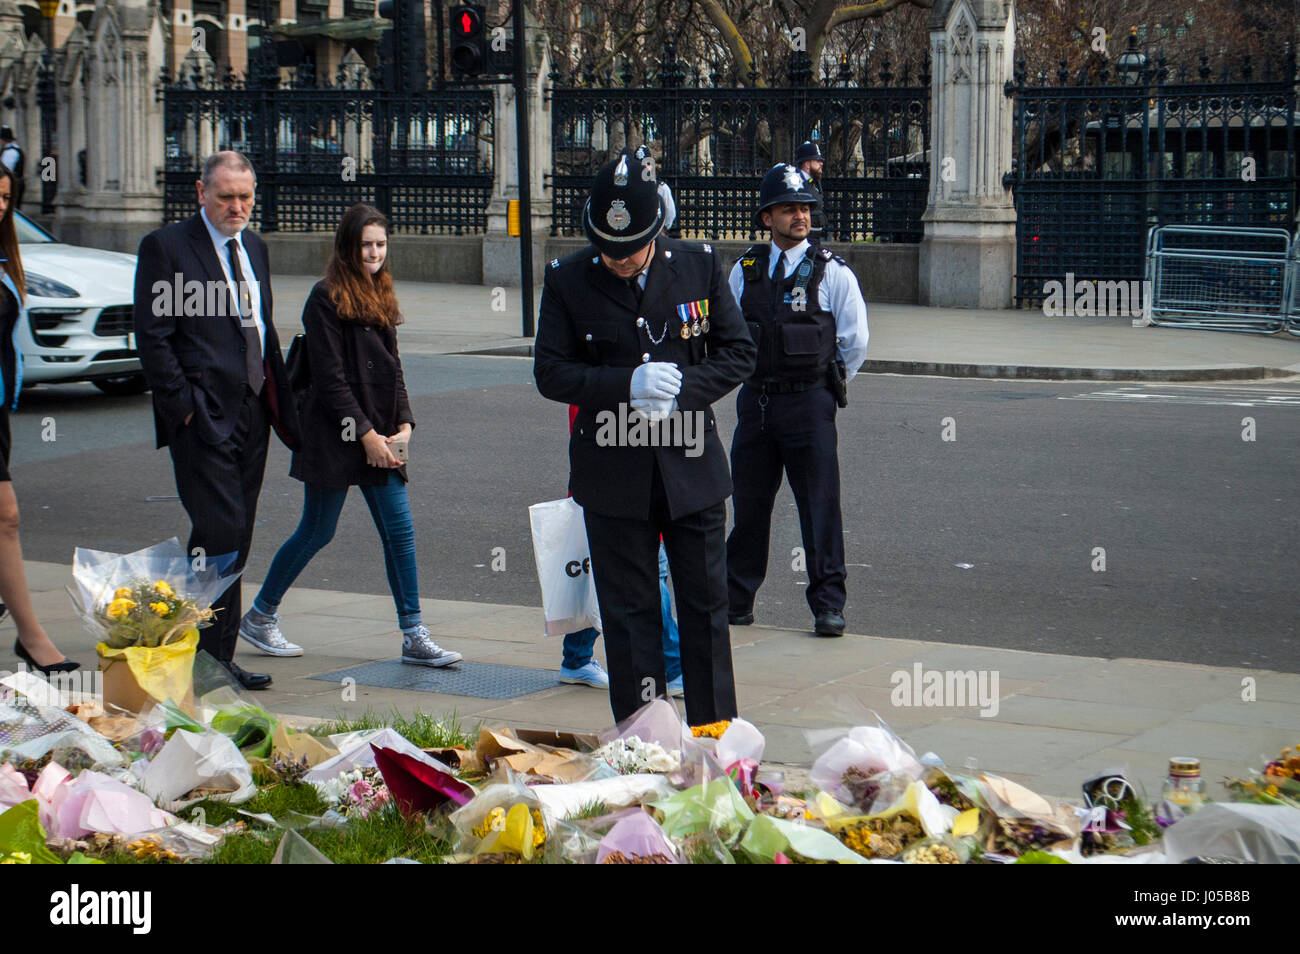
(795, 433)
(625, 563)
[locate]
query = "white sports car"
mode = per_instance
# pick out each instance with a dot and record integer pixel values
(79, 325)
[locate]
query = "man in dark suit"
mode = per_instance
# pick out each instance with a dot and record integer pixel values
(642, 333)
(203, 322)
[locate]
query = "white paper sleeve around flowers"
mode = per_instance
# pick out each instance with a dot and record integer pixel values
(97, 574)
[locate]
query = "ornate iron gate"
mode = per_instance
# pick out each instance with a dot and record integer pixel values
(1100, 160)
(422, 158)
(714, 142)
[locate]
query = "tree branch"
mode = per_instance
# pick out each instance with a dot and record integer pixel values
(732, 40)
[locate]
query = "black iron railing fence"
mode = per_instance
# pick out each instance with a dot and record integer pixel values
(423, 158)
(1101, 157)
(714, 142)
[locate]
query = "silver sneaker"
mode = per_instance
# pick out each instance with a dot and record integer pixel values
(419, 649)
(266, 635)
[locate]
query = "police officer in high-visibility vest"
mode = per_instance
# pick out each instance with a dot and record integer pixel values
(806, 312)
(808, 157)
(641, 332)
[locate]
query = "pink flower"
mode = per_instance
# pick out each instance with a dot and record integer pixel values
(361, 790)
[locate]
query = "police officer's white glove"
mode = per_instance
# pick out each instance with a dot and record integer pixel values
(657, 379)
(656, 409)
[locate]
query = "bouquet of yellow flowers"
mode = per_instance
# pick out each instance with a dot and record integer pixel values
(146, 608)
(145, 613)
(151, 597)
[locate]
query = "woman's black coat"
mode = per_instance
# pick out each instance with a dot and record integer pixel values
(356, 385)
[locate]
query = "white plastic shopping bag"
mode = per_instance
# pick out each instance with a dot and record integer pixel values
(564, 566)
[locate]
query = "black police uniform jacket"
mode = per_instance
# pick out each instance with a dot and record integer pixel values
(588, 344)
(819, 222)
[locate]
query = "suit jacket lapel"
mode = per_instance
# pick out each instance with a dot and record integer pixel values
(207, 254)
(202, 245)
(263, 275)
(659, 283)
(611, 286)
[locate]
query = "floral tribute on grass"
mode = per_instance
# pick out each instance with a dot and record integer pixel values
(218, 779)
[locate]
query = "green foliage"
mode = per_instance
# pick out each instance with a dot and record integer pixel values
(420, 729)
(385, 834)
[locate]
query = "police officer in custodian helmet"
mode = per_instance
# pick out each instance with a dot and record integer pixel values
(806, 313)
(808, 157)
(642, 330)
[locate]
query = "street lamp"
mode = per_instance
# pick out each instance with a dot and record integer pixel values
(1131, 63)
(46, 100)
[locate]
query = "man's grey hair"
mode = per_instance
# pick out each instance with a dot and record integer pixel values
(230, 159)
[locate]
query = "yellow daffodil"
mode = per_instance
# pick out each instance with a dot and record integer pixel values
(120, 608)
(123, 593)
(161, 609)
(163, 589)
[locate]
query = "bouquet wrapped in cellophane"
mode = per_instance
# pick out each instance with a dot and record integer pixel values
(148, 598)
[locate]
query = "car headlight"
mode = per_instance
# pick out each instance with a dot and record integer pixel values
(43, 287)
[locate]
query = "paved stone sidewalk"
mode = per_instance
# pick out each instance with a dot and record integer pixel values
(446, 319)
(1059, 720)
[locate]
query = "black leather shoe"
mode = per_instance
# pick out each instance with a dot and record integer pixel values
(66, 665)
(249, 680)
(740, 619)
(828, 624)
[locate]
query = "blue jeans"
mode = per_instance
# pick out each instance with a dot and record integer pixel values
(320, 516)
(578, 646)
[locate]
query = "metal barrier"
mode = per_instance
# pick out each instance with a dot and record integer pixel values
(1293, 309)
(1219, 279)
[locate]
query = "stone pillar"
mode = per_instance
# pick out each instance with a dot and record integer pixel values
(500, 249)
(968, 254)
(123, 129)
(13, 41)
(64, 22)
(237, 35)
(182, 35)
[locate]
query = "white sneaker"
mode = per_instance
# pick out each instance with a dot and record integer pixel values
(589, 675)
(419, 649)
(264, 632)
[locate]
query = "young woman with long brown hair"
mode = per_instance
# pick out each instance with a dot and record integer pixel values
(33, 646)
(355, 409)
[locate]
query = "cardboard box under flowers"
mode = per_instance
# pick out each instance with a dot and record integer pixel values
(137, 677)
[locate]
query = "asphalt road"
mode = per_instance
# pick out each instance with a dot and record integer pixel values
(988, 539)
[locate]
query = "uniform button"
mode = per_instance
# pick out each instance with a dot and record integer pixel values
(668, 253)
(588, 337)
(370, 364)
(645, 358)
(640, 322)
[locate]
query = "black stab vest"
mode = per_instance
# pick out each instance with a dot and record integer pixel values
(793, 345)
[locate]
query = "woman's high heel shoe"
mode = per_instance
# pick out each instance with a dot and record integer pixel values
(66, 665)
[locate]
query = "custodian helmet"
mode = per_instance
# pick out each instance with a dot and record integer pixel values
(783, 183)
(624, 213)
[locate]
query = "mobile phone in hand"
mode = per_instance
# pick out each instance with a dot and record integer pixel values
(399, 450)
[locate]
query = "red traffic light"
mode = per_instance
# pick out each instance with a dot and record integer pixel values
(467, 22)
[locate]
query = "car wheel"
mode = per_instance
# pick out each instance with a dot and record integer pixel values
(124, 386)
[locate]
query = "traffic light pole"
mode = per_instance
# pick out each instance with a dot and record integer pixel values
(525, 173)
